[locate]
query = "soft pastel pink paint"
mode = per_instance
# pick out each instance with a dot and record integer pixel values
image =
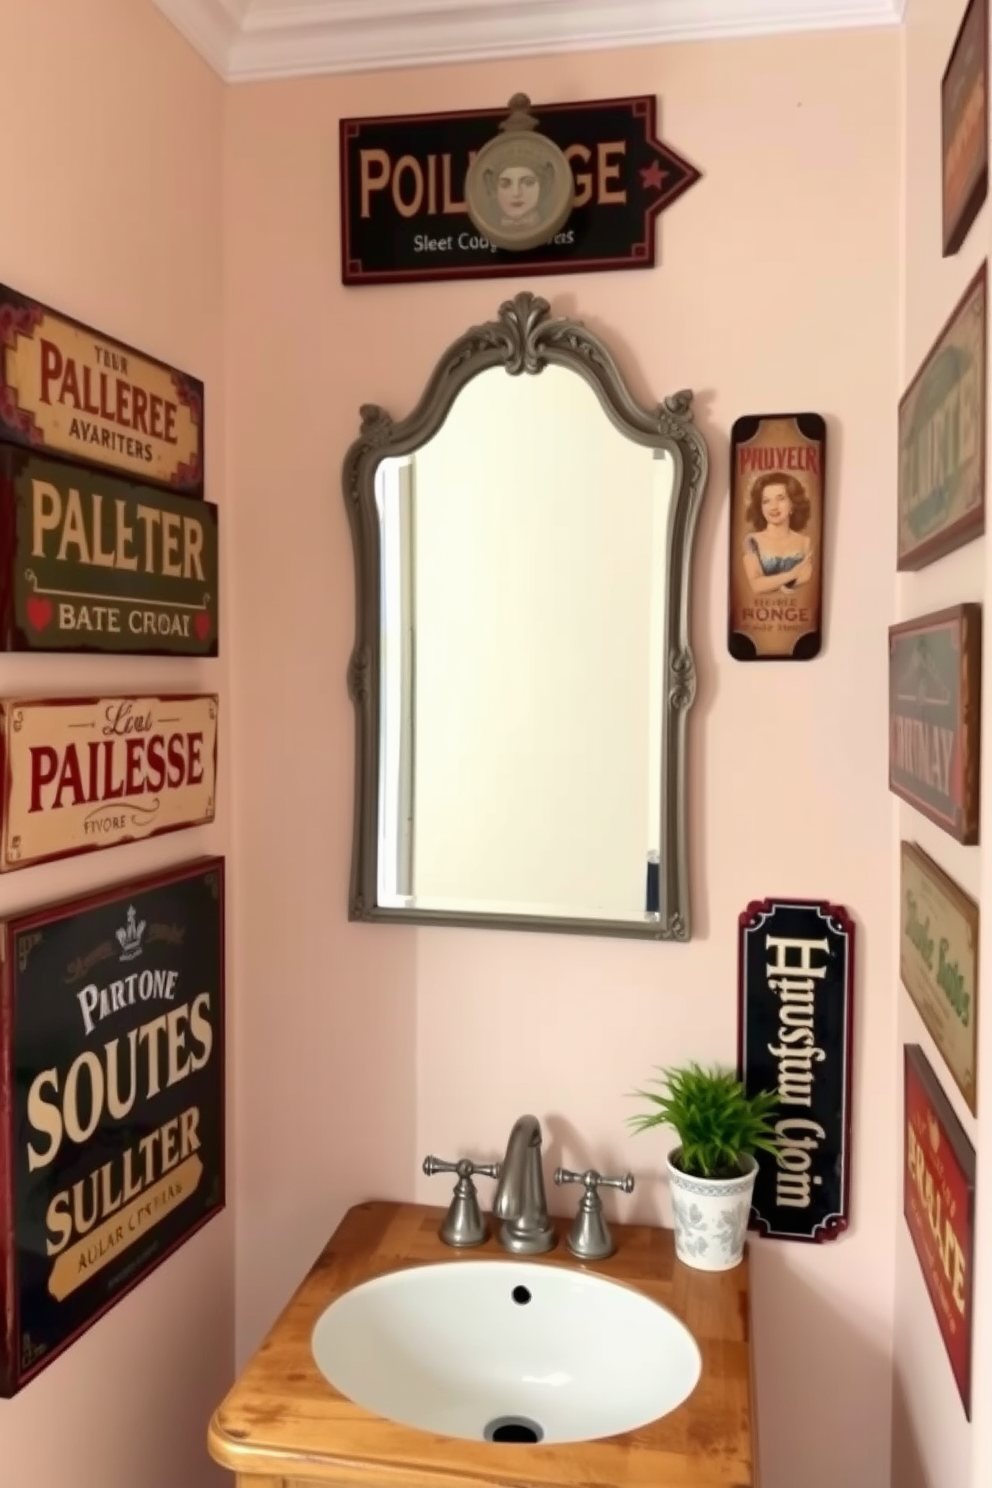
(932, 1444)
(113, 131)
(361, 1048)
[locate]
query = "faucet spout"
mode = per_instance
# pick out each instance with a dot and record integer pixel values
(520, 1200)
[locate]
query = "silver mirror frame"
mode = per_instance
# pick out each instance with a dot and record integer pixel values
(524, 339)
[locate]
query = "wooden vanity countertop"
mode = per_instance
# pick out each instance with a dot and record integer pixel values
(284, 1422)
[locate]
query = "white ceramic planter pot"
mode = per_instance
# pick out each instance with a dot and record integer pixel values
(711, 1216)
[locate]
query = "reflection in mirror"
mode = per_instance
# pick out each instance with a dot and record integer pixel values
(521, 672)
(523, 578)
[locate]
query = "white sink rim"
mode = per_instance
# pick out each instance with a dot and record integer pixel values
(444, 1348)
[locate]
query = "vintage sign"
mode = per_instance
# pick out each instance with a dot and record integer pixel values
(939, 1206)
(795, 1027)
(938, 961)
(941, 478)
(93, 563)
(66, 389)
(778, 465)
(111, 1099)
(964, 117)
(935, 716)
(403, 212)
(80, 774)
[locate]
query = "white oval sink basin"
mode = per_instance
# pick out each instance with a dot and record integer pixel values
(506, 1351)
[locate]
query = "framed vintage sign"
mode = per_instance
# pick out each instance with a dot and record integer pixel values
(92, 563)
(940, 494)
(69, 390)
(111, 1100)
(935, 669)
(404, 216)
(795, 1032)
(80, 774)
(938, 961)
(964, 126)
(939, 1208)
(778, 466)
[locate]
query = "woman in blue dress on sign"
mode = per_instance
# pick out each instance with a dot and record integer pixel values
(778, 552)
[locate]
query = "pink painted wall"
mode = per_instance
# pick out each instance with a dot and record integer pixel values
(113, 131)
(361, 1048)
(933, 1445)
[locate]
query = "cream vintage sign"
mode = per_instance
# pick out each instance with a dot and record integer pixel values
(66, 389)
(80, 774)
(938, 961)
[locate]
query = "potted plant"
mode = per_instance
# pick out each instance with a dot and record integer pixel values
(712, 1170)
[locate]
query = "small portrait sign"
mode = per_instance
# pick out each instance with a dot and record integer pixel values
(939, 1208)
(778, 464)
(93, 563)
(111, 1100)
(68, 390)
(80, 774)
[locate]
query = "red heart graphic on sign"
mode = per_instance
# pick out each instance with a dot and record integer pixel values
(201, 624)
(40, 611)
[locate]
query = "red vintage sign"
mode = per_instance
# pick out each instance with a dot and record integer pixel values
(939, 1205)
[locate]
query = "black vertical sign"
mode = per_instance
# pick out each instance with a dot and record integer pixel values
(796, 969)
(112, 1084)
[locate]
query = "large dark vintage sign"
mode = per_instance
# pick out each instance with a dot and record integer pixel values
(796, 970)
(92, 563)
(111, 1100)
(934, 716)
(403, 212)
(778, 469)
(79, 774)
(964, 126)
(939, 1207)
(66, 389)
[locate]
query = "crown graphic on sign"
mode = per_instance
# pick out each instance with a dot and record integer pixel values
(129, 936)
(934, 1131)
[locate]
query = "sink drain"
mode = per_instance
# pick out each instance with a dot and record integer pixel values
(513, 1429)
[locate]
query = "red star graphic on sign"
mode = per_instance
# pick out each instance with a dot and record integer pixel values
(652, 176)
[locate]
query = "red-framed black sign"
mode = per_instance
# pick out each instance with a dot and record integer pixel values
(403, 213)
(111, 1100)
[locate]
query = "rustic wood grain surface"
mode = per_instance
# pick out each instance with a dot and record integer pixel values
(283, 1425)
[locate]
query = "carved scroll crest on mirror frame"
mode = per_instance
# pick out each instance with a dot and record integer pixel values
(525, 341)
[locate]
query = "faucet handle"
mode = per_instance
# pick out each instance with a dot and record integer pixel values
(590, 1238)
(463, 1225)
(594, 1180)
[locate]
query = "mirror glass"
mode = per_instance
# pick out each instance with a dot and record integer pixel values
(524, 556)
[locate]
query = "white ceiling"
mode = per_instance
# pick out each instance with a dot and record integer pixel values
(249, 39)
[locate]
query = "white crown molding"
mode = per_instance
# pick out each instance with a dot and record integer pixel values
(247, 40)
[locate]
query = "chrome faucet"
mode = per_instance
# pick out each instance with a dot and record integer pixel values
(520, 1200)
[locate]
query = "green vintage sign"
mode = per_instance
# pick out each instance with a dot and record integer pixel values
(101, 564)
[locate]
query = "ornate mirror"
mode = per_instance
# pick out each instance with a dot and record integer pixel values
(522, 669)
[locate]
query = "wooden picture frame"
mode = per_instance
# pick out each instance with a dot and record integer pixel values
(102, 1180)
(964, 127)
(939, 1208)
(938, 962)
(940, 504)
(935, 672)
(796, 971)
(777, 475)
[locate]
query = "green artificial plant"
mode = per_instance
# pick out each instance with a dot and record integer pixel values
(716, 1121)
